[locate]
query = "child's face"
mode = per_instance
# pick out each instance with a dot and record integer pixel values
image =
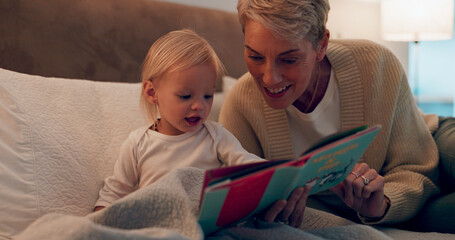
(185, 98)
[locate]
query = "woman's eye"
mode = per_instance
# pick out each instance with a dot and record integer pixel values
(289, 60)
(255, 58)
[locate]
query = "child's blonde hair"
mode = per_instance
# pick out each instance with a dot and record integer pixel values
(175, 51)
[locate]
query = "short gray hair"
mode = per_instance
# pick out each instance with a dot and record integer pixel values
(292, 20)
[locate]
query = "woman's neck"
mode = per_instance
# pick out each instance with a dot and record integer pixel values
(316, 89)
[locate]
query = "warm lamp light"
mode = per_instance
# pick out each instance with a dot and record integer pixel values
(414, 21)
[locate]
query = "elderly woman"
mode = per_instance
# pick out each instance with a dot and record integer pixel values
(301, 87)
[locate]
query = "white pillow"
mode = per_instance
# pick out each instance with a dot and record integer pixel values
(218, 99)
(59, 139)
(228, 83)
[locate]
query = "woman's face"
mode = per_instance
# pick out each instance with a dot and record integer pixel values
(281, 69)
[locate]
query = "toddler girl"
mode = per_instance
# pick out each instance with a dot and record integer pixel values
(178, 83)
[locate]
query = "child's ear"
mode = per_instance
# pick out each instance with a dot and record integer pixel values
(150, 92)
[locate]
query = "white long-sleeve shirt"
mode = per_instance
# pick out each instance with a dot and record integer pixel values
(147, 155)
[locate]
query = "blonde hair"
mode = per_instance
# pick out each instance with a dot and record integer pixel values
(175, 51)
(292, 20)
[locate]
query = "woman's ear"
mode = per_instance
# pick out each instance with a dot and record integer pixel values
(150, 92)
(322, 48)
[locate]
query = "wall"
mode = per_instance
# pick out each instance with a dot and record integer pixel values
(226, 5)
(361, 19)
(432, 67)
(347, 19)
(435, 63)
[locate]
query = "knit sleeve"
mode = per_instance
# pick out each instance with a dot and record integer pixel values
(410, 167)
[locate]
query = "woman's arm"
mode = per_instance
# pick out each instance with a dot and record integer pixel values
(405, 153)
(410, 169)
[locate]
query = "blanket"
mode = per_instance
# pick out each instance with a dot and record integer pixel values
(168, 209)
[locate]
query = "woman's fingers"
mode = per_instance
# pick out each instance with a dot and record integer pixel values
(271, 213)
(352, 185)
(360, 183)
(363, 191)
(290, 211)
(375, 183)
(296, 218)
(290, 206)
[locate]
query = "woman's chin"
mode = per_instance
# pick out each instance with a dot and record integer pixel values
(277, 100)
(277, 103)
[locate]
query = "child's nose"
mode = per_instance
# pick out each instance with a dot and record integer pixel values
(197, 105)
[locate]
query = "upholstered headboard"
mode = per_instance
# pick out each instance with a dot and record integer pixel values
(105, 40)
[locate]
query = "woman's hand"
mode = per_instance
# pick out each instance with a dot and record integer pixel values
(290, 211)
(363, 191)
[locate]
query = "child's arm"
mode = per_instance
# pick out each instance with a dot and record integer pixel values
(229, 149)
(124, 179)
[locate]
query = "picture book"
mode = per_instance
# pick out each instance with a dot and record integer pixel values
(232, 194)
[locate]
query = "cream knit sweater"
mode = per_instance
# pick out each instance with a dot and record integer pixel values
(374, 90)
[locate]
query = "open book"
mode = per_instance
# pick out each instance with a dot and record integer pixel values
(232, 194)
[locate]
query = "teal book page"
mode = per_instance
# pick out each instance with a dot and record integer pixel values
(328, 166)
(334, 137)
(210, 209)
(321, 169)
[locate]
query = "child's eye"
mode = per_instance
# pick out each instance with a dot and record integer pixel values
(185, 97)
(208, 96)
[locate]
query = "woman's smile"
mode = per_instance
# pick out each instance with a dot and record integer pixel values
(276, 92)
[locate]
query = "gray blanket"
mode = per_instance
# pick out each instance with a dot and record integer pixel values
(168, 209)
